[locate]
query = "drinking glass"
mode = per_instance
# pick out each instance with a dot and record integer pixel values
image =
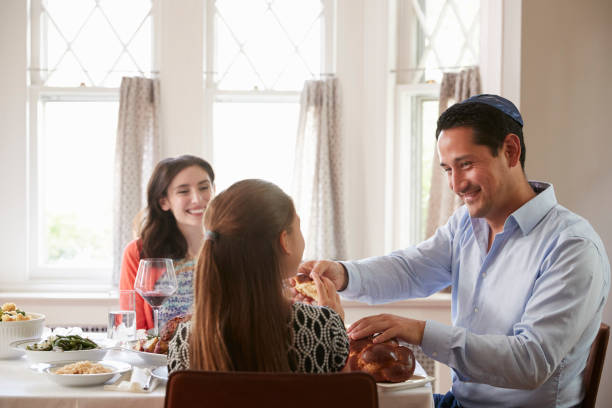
(155, 282)
(122, 318)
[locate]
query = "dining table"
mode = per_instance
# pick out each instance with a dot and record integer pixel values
(22, 386)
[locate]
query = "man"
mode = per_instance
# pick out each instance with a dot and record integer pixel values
(529, 278)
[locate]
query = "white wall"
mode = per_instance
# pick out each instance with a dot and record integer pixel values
(566, 91)
(13, 166)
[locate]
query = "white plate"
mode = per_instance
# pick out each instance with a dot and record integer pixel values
(79, 380)
(413, 382)
(38, 356)
(147, 358)
(160, 373)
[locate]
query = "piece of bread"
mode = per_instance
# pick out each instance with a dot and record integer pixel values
(386, 362)
(305, 286)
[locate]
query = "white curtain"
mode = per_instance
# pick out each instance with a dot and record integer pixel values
(136, 153)
(317, 183)
(455, 87)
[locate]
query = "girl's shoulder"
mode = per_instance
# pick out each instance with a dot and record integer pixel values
(304, 312)
(134, 246)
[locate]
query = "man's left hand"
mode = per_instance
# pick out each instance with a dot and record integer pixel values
(389, 326)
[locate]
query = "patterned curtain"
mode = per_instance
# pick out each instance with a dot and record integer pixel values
(317, 183)
(455, 87)
(136, 153)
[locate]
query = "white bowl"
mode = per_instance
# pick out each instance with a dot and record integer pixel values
(39, 356)
(147, 358)
(79, 380)
(19, 330)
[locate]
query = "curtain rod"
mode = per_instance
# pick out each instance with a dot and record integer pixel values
(314, 74)
(432, 68)
(86, 70)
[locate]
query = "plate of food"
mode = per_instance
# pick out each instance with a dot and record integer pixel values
(17, 324)
(149, 350)
(84, 372)
(71, 347)
(154, 349)
(392, 364)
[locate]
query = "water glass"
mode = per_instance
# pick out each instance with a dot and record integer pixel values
(122, 319)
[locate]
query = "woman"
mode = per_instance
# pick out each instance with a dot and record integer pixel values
(242, 319)
(177, 195)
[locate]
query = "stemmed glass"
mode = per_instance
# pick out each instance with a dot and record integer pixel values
(155, 282)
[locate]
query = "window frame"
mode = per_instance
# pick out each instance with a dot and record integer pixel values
(407, 168)
(406, 226)
(37, 96)
(212, 95)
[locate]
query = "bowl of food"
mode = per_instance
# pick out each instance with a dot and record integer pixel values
(15, 324)
(83, 373)
(60, 348)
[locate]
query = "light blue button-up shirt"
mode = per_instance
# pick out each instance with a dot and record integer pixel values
(524, 313)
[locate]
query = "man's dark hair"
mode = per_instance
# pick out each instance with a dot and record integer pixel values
(489, 124)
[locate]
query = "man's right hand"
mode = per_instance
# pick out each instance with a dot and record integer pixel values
(332, 270)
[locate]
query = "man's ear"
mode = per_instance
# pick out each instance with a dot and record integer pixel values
(164, 204)
(512, 149)
(283, 240)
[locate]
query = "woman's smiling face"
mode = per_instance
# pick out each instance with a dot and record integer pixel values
(188, 196)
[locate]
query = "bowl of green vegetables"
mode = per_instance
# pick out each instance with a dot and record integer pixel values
(60, 348)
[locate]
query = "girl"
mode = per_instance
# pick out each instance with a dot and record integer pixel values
(242, 319)
(177, 195)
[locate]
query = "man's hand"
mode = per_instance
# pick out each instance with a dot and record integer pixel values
(334, 271)
(389, 326)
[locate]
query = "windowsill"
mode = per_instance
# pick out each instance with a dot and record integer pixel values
(437, 300)
(50, 288)
(49, 296)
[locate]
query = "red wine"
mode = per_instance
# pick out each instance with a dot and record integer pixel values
(154, 299)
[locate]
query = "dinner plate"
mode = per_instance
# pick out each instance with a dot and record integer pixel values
(161, 373)
(80, 380)
(39, 356)
(147, 358)
(413, 382)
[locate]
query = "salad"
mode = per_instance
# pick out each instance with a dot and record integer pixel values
(57, 342)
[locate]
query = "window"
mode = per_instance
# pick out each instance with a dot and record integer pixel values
(434, 36)
(79, 52)
(259, 53)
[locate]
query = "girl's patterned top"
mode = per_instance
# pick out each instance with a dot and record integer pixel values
(319, 341)
(181, 302)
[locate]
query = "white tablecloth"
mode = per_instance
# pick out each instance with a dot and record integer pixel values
(21, 387)
(412, 398)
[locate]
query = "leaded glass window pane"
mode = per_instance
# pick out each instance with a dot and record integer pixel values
(267, 45)
(93, 42)
(444, 35)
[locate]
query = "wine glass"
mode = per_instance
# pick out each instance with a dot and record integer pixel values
(155, 282)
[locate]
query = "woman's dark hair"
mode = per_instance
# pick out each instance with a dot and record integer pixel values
(489, 124)
(160, 235)
(240, 314)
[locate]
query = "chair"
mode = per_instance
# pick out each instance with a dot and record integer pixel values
(594, 366)
(191, 388)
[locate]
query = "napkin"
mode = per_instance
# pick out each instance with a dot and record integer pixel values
(134, 381)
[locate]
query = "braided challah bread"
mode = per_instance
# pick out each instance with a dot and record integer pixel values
(386, 362)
